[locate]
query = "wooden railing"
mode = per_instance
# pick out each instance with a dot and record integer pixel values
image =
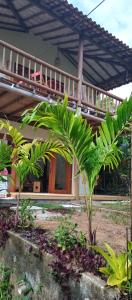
(33, 73)
(93, 96)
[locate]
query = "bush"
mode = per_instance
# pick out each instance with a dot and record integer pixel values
(5, 288)
(67, 235)
(118, 269)
(25, 213)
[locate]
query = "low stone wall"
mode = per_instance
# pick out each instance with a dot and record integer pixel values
(32, 274)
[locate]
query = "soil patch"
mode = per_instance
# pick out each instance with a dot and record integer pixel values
(107, 230)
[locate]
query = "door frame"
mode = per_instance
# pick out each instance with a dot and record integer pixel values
(52, 172)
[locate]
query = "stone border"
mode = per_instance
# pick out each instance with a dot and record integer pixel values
(34, 267)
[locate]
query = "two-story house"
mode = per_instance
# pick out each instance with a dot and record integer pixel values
(49, 48)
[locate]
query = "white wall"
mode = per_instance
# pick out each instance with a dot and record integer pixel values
(35, 46)
(83, 190)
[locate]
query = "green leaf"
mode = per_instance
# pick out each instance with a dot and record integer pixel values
(115, 281)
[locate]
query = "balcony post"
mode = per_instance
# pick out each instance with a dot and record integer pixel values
(80, 70)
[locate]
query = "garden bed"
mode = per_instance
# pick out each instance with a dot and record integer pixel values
(44, 270)
(33, 270)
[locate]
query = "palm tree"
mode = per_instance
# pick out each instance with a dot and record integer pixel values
(92, 151)
(25, 156)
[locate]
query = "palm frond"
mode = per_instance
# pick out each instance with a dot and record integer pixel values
(76, 135)
(16, 136)
(30, 154)
(70, 129)
(5, 155)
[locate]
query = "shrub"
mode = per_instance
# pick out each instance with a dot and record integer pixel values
(67, 235)
(25, 213)
(117, 270)
(5, 288)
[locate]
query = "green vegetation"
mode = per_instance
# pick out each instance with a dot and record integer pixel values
(120, 206)
(5, 289)
(92, 152)
(117, 182)
(118, 269)
(26, 156)
(5, 157)
(67, 235)
(25, 213)
(117, 218)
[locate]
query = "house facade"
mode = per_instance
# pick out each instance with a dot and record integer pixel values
(49, 49)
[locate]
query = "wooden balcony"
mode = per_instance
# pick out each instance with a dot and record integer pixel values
(29, 73)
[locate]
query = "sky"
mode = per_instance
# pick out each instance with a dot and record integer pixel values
(116, 17)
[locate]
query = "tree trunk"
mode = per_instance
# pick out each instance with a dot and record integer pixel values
(17, 208)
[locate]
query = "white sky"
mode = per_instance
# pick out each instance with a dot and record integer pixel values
(116, 17)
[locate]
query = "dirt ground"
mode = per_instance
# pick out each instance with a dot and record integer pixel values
(107, 230)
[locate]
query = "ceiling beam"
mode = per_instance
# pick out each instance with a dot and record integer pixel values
(17, 99)
(50, 30)
(93, 69)
(6, 15)
(12, 29)
(10, 24)
(24, 7)
(103, 68)
(92, 55)
(66, 42)
(21, 109)
(107, 60)
(89, 65)
(60, 36)
(34, 15)
(3, 6)
(96, 38)
(51, 12)
(17, 15)
(42, 23)
(116, 80)
(3, 93)
(74, 62)
(104, 45)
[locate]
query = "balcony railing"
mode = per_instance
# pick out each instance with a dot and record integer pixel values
(33, 73)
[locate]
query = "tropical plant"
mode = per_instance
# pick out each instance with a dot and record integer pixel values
(5, 288)
(67, 235)
(117, 181)
(26, 156)
(26, 214)
(5, 157)
(92, 151)
(116, 270)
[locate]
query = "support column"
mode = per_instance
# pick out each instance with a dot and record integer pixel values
(79, 98)
(80, 70)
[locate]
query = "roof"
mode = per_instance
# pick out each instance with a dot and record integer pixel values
(107, 61)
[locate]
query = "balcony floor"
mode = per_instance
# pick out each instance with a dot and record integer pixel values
(15, 99)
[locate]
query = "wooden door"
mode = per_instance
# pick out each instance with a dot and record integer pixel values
(60, 176)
